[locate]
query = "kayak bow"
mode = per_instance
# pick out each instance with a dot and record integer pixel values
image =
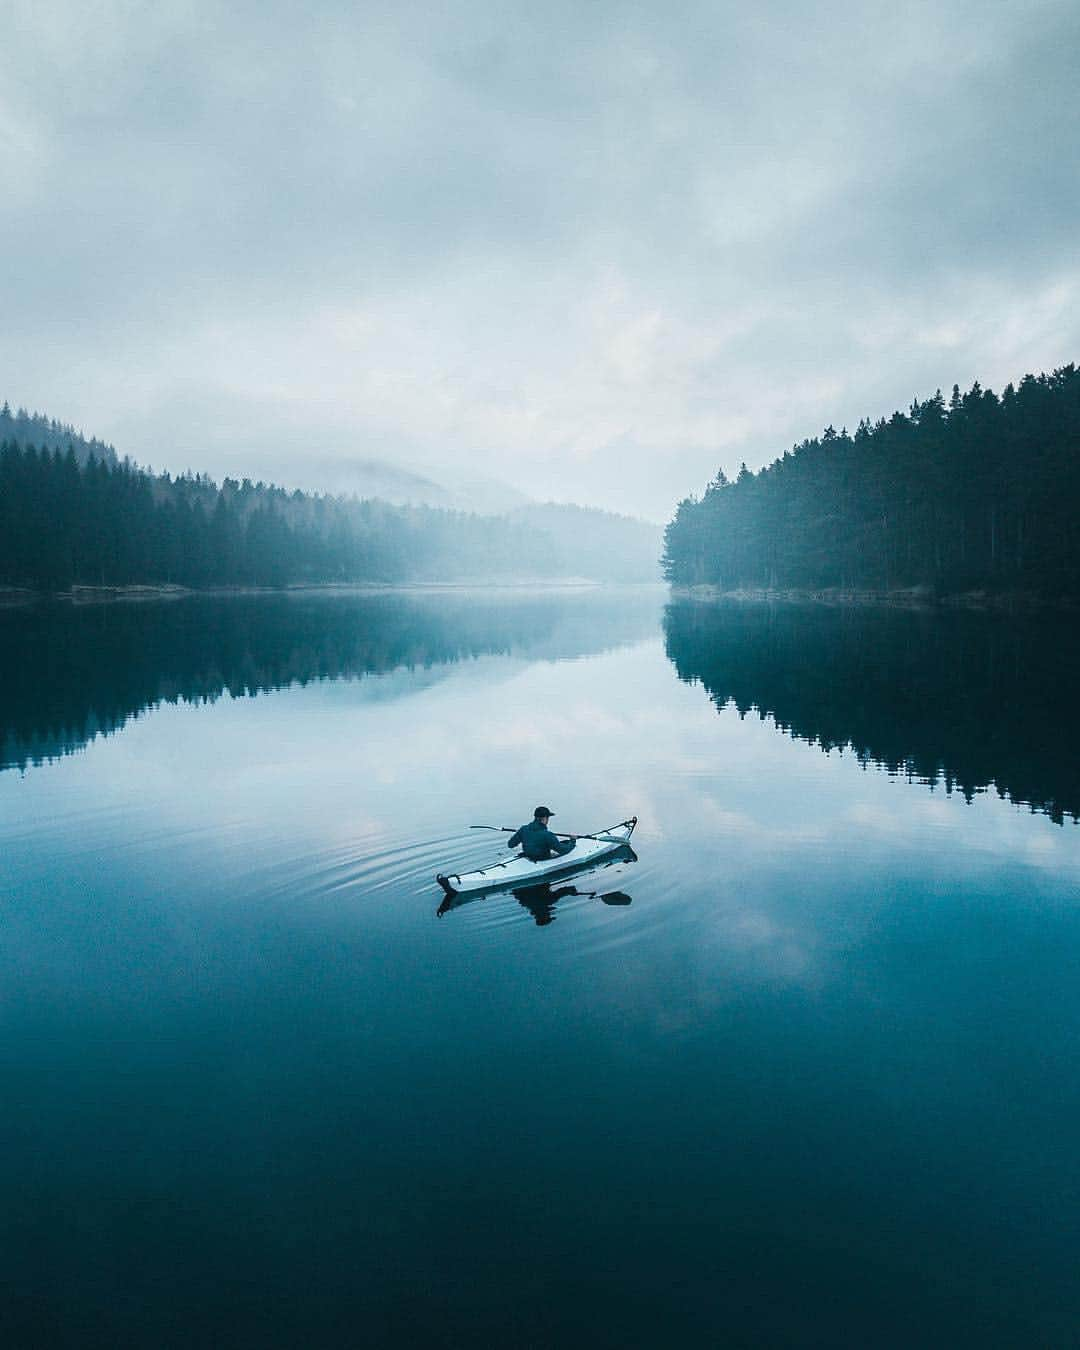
(521, 871)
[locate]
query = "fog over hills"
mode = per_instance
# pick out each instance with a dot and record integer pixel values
(403, 484)
(64, 524)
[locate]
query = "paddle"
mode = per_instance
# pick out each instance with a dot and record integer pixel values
(505, 829)
(607, 897)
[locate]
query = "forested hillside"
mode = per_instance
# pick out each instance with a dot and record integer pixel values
(63, 522)
(979, 493)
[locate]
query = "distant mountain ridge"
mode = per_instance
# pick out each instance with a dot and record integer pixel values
(367, 476)
(588, 539)
(45, 433)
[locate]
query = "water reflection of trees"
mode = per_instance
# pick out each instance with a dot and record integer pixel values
(68, 674)
(966, 699)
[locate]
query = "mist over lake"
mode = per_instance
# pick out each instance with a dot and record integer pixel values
(799, 1071)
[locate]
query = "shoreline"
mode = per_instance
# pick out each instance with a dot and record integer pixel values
(12, 596)
(912, 597)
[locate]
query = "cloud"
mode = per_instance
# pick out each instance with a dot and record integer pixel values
(610, 248)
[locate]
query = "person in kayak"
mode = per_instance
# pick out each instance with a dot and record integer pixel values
(537, 841)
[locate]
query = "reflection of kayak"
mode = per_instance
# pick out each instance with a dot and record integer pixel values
(539, 897)
(521, 871)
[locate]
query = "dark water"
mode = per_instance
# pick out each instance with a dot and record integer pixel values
(817, 1083)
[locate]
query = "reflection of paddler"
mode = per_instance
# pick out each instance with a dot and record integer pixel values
(540, 900)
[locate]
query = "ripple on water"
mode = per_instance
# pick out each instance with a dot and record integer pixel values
(373, 863)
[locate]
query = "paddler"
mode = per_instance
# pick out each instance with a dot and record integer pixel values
(537, 841)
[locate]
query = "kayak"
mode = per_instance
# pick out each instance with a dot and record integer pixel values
(517, 870)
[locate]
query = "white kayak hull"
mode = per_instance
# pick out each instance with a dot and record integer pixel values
(517, 870)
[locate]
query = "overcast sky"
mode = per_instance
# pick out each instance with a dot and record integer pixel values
(597, 250)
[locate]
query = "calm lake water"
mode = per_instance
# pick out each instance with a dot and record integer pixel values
(817, 1084)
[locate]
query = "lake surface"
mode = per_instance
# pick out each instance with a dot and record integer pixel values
(816, 1084)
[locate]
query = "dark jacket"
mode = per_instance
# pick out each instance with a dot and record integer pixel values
(538, 842)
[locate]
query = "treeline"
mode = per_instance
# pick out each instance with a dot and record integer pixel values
(971, 702)
(46, 433)
(981, 493)
(65, 523)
